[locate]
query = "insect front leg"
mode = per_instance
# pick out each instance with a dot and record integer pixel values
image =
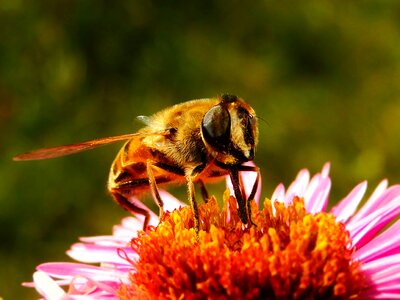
(244, 168)
(243, 213)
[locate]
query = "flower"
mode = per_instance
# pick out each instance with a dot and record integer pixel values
(296, 250)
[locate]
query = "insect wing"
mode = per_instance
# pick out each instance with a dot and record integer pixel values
(57, 151)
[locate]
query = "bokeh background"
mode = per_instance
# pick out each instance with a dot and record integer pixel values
(324, 75)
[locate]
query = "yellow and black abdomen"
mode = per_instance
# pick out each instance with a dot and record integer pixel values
(129, 171)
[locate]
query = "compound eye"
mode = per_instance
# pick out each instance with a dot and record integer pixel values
(216, 127)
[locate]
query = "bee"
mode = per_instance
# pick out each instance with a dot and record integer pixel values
(194, 142)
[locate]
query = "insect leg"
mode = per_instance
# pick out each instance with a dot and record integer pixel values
(253, 189)
(130, 183)
(245, 168)
(234, 174)
(131, 207)
(193, 203)
(154, 188)
(204, 192)
(241, 184)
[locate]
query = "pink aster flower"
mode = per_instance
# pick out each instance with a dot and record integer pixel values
(296, 250)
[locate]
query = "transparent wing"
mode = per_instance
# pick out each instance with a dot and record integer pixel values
(57, 151)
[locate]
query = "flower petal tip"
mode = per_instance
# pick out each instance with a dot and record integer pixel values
(47, 287)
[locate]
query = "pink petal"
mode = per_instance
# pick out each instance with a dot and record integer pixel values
(298, 186)
(325, 169)
(365, 209)
(315, 192)
(390, 288)
(378, 199)
(91, 253)
(131, 225)
(279, 193)
(59, 282)
(170, 202)
(358, 238)
(387, 243)
(384, 296)
(316, 197)
(106, 240)
(390, 193)
(346, 208)
(85, 286)
(380, 264)
(380, 217)
(47, 287)
(153, 217)
(71, 270)
(96, 282)
(386, 279)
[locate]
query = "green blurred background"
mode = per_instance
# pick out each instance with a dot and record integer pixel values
(325, 76)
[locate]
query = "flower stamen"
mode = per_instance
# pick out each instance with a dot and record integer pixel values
(288, 254)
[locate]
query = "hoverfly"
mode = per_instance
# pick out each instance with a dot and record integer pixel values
(196, 141)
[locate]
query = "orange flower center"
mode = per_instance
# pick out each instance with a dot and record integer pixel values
(289, 254)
